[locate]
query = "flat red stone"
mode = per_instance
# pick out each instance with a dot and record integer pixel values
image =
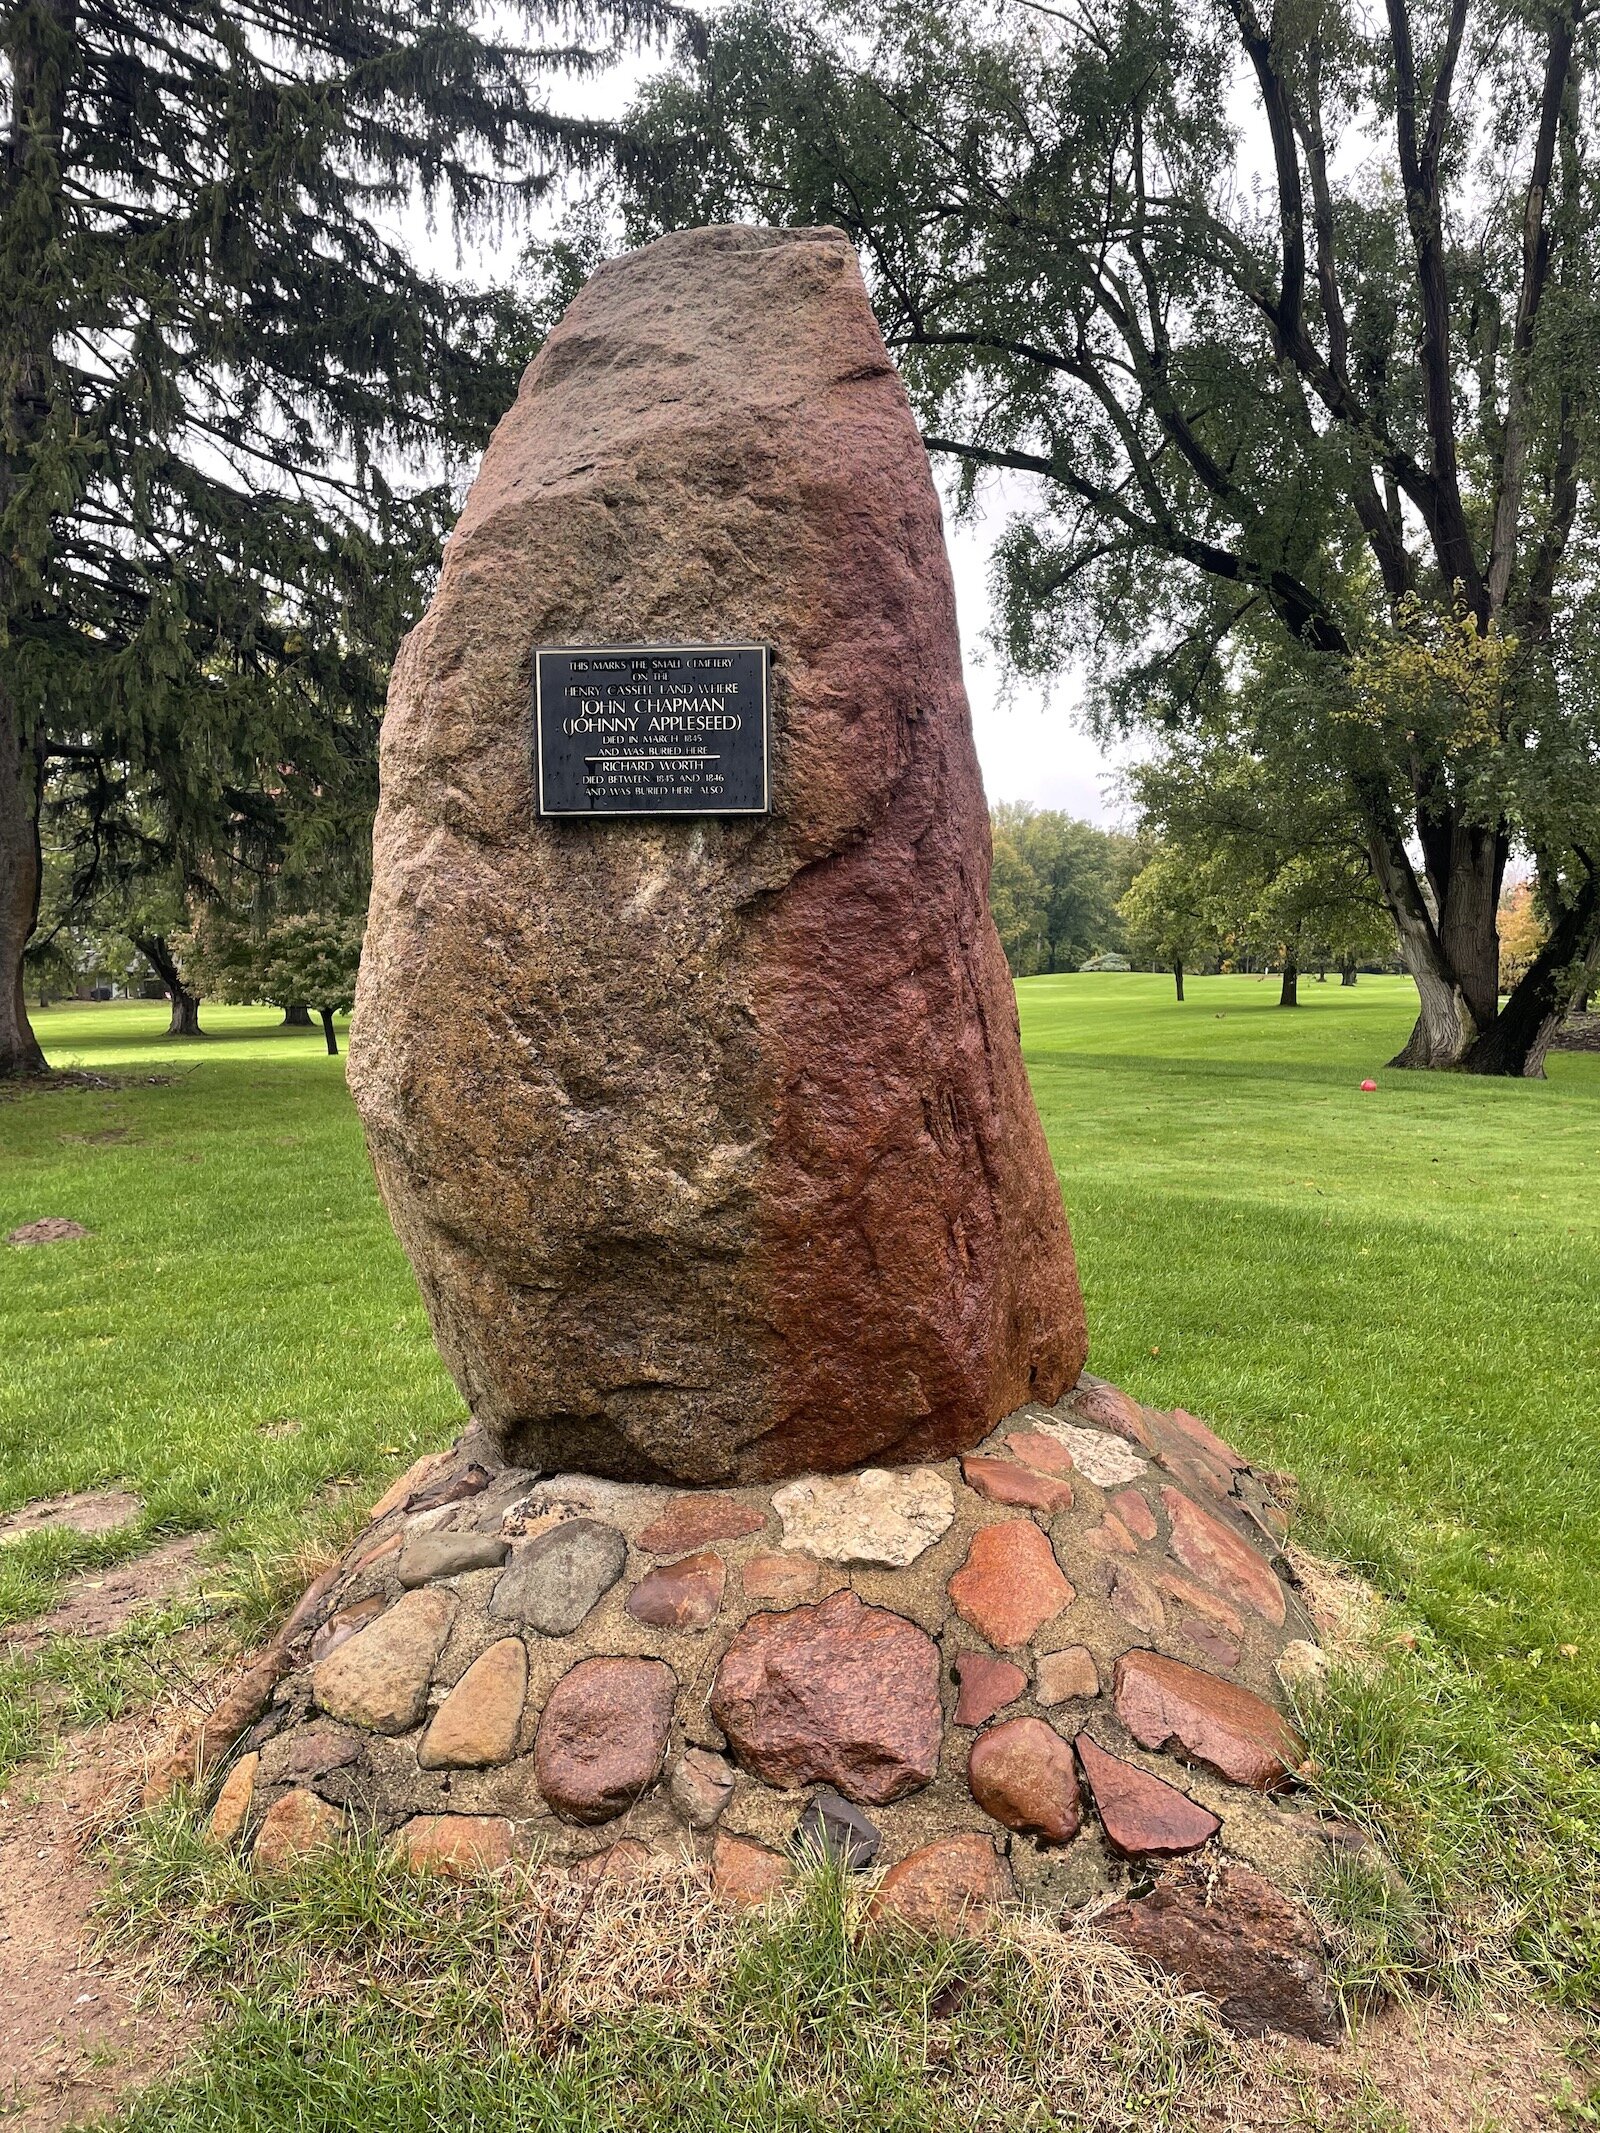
(839, 1694)
(785, 1579)
(1046, 1455)
(1195, 1471)
(1111, 1536)
(1010, 1584)
(1136, 1599)
(948, 1887)
(743, 1873)
(1144, 1817)
(691, 1521)
(1213, 1551)
(682, 1595)
(1218, 1723)
(1188, 1592)
(1106, 1406)
(987, 1685)
(1023, 1774)
(1206, 1439)
(1005, 1481)
(1135, 1514)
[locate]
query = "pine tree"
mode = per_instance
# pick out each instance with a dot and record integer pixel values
(231, 406)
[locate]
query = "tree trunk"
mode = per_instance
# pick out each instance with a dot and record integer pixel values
(185, 1004)
(1520, 1038)
(1347, 971)
(1177, 974)
(21, 775)
(297, 1015)
(1289, 995)
(1322, 973)
(327, 1030)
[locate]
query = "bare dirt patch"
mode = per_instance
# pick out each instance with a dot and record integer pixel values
(72, 2036)
(100, 1601)
(49, 1229)
(88, 1511)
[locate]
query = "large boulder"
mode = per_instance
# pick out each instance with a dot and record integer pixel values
(709, 1138)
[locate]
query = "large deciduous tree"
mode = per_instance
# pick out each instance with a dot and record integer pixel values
(1283, 318)
(232, 402)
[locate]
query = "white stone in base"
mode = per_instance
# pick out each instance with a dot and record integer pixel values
(1098, 1456)
(871, 1517)
(1302, 1667)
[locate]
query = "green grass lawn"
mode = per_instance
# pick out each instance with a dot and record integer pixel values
(1395, 1294)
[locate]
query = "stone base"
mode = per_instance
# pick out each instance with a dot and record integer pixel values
(1051, 1670)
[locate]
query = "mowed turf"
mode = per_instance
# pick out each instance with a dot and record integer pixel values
(1395, 1294)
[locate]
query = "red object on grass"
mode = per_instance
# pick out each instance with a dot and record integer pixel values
(1367, 1087)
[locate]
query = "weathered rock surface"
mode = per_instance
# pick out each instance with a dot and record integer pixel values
(745, 1874)
(1143, 1816)
(682, 1595)
(1235, 1938)
(701, 1786)
(446, 1555)
(772, 1061)
(554, 1579)
(602, 1736)
(459, 1845)
(870, 1517)
(1214, 1552)
(232, 1809)
(987, 1685)
(379, 1679)
(1104, 1459)
(1008, 1481)
(1023, 1773)
(950, 1886)
(1218, 1723)
(1010, 1584)
(294, 1825)
(1060, 1677)
(842, 1694)
(691, 1521)
(779, 1580)
(832, 1828)
(476, 1725)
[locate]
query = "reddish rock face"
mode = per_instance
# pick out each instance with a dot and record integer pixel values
(1111, 1537)
(745, 1874)
(987, 1685)
(1218, 1723)
(1206, 1440)
(1010, 1584)
(685, 1595)
(1045, 1455)
(947, 1887)
(691, 1521)
(1135, 1514)
(458, 1845)
(1233, 1937)
(774, 1060)
(602, 1736)
(1103, 1405)
(1023, 1774)
(1143, 1816)
(785, 1580)
(1215, 1552)
(1004, 1481)
(1188, 1593)
(842, 1694)
(1135, 1599)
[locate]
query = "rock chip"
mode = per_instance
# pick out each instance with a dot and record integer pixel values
(311, 1752)
(380, 1678)
(1233, 1937)
(1213, 1551)
(1218, 1723)
(1041, 1454)
(407, 1484)
(785, 1580)
(1061, 1677)
(1107, 1406)
(840, 1694)
(947, 1888)
(1136, 1599)
(1022, 1773)
(476, 1726)
(682, 1595)
(691, 1521)
(1143, 1816)
(987, 1685)
(553, 1580)
(1206, 1440)
(602, 1736)
(295, 1824)
(232, 1810)
(1099, 1457)
(427, 1556)
(341, 1627)
(1111, 1537)
(745, 1874)
(701, 1786)
(870, 1517)
(1135, 1514)
(831, 1828)
(457, 1484)
(458, 1845)
(1010, 1584)
(773, 1060)
(1007, 1481)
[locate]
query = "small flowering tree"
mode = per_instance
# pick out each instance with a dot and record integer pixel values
(313, 958)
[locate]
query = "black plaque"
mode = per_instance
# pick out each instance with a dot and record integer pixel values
(651, 729)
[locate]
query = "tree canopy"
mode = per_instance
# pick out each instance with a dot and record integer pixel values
(1285, 323)
(1054, 887)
